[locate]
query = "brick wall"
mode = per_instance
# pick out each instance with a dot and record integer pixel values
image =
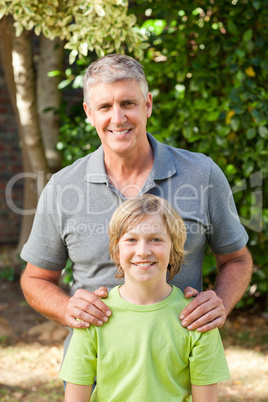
(10, 165)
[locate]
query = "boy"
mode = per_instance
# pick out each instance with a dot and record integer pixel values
(134, 358)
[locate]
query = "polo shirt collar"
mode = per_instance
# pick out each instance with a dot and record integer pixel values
(163, 166)
(96, 172)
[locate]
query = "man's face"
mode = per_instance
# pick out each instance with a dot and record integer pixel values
(119, 112)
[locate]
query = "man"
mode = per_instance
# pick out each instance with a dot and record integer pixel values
(76, 206)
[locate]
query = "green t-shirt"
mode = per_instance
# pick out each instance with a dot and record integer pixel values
(144, 354)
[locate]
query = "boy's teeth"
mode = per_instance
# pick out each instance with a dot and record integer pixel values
(145, 264)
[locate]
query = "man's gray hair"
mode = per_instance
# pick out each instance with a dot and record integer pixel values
(112, 68)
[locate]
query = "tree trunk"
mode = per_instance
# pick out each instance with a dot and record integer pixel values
(24, 78)
(49, 97)
(20, 82)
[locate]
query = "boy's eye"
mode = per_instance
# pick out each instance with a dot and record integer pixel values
(131, 240)
(156, 240)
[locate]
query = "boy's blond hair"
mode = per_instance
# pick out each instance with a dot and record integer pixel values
(130, 213)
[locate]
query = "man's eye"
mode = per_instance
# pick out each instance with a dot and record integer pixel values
(128, 103)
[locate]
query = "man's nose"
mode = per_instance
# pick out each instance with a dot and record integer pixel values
(143, 249)
(118, 115)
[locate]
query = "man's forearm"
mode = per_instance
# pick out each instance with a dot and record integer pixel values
(41, 290)
(233, 279)
(45, 297)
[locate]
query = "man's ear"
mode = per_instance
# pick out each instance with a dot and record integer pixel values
(88, 113)
(149, 104)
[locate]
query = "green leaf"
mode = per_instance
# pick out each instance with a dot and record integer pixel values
(231, 27)
(65, 83)
(221, 141)
(247, 35)
(73, 56)
(263, 131)
(251, 133)
(19, 28)
(231, 169)
(212, 116)
(235, 123)
(78, 82)
(54, 73)
(187, 132)
(248, 168)
(37, 30)
(154, 26)
(256, 4)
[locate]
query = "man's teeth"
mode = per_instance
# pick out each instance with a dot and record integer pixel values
(120, 132)
(144, 264)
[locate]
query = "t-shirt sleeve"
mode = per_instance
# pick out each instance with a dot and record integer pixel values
(45, 247)
(80, 363)
(207, 360)
(227, 234)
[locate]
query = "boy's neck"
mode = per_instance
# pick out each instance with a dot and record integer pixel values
(144, 294)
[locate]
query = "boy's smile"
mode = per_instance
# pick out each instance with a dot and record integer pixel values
(143, 265)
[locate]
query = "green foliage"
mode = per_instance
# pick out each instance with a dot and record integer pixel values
(67, 273)
(102, 26)
(7, 274)
(77, 138)
(207, 70)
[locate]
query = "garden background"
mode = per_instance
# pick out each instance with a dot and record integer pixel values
(206, 64)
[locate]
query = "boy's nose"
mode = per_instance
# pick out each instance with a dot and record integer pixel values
(143, 249)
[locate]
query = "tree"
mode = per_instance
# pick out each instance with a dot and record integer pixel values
(80, 25)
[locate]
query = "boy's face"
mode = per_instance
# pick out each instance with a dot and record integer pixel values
(144, 251)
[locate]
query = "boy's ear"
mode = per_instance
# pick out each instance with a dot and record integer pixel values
(116, 254)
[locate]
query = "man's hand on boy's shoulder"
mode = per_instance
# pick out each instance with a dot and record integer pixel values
(88, 308)
(205, 312)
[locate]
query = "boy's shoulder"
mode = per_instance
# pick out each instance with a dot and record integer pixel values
(180, 296)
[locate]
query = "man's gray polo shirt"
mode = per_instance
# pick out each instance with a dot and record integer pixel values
(75, 208)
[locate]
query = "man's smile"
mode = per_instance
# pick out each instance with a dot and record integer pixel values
(120, 132)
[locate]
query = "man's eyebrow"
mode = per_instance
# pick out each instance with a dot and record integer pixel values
(129, 100)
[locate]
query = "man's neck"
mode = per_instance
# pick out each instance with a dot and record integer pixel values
(144, 294)
(128, 173)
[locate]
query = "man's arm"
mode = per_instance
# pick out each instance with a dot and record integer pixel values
(209, 309)
(41, 290)
(77, 393)
(205, 393)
